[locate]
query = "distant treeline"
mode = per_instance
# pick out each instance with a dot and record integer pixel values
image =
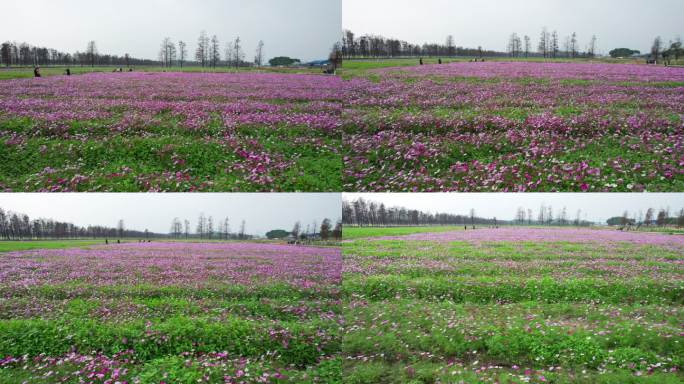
(547, 215)
(19, 226)
(24, 54)
(208, 228)
(372, 214)
(365, 213)
(374, 46)
(661, 218)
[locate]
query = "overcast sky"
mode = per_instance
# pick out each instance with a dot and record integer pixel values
(597, 206)
(305, 29)
(262, 212)
(617, 23)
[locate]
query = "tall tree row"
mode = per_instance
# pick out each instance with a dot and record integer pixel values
(18, 226)
(375, 46)
(371, 214)
(26, 55)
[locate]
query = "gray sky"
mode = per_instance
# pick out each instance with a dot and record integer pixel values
(305, 29)
(262, 212)
(617, 23)
(597, 206)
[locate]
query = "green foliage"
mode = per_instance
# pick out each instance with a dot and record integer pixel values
(283, 61)
(351, 233)
(277, 234)
(622, 52)
(10, 246)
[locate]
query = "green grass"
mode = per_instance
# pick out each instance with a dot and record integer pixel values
(178, 333)
(351, 233)
(511, 312)
(10, 246)
(25, 72)
(135, 161)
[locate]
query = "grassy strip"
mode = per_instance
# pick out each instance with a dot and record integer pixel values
(143, 291)
(288, 342)
(25, 72)
(122, 309)
(405, 330)
(181, 370)
(11, 246)
(351, 233)
(426, 372)
(483, 290)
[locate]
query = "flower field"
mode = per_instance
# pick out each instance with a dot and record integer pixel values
(515, 126)
(170, 312)
(514, 305)
(171, 132)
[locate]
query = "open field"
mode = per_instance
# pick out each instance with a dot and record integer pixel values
(351, 233)
(171, 132)
(10, 246)
(514, 126)
(493, 126)
(514, 305)
(357, 66)
(170, 312)
(27, 72)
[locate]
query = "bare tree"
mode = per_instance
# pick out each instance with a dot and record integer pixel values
(573, 44)
(176, 228)
(591, 51)
(337, 231)
(514, 45)
(554, 44)
(450, 46)
(528, 45)
(676, 47)
(167, 52)
(201, 225)
(120, 228)
(210, 227)
(648, 219)
(229, 54)
(259, 56)
(187, 228)
(296, 229)
(202, 53)
(520, 215)
(529, 216)
(566, 46)
(242, 229)
(91, 52)
(215, 51)
(238, 55)
(662, 218)
(326, 227)
(182, 52)
(657, 47)
(544, 42)
(226, 228)
(624, 220)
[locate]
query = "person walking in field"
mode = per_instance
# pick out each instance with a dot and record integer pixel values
(36, 72)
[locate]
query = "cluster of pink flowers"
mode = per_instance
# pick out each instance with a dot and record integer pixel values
(236, 99)
(555, 71)
(178, 264)
(236, 110)
(545, 235)
(427, 129)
